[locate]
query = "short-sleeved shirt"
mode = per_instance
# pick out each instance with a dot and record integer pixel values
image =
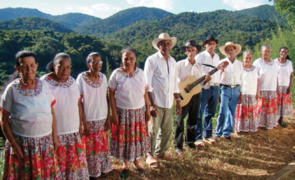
(30, 109)
(285, 71)
(130, 88)
(161, 77)
(93, 96)
(205, 58)
(268, 74)
(66, 108)
(249, 83)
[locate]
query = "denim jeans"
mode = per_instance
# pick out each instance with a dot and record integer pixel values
(209, 98)
(228, 102)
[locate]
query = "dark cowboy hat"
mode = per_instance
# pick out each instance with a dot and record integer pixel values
(210, 38)
(191, 43)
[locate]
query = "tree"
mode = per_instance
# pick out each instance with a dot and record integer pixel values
(286, 8)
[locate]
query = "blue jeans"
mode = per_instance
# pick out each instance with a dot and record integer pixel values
(209, 98)
(229, 99)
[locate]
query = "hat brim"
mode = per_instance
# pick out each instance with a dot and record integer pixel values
(199, 48)
(205, 42)
(238, 48)
(157, 40)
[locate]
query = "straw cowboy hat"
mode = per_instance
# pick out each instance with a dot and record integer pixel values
(238, 48)
(191, 43)
(164, 36)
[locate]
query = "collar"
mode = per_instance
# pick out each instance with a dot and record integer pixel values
(162, 57)
(208, 54)
(186, 62)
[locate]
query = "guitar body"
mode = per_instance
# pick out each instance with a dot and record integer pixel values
(187, 96)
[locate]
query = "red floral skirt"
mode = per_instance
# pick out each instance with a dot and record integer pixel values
(267, 109)
(97, 151)
(40, 161)
(246, 115)
(285, 107)
(130, 140)
(72, 156)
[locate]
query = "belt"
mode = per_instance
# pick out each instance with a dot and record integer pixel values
(214, 84)
(231, 86)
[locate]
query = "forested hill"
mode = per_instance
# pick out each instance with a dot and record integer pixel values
(14, 13)
(224, 25)
(73, 20)
(33, 23)
(47, 43)
(122, 19)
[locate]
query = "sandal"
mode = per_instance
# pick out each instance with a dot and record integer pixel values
(139, 170)
(165, 156)
(199, 144)
(151, 162)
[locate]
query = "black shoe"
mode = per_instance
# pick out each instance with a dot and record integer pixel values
(124, 174)
(179, 151)
(227, 137)
(284, 125)
(103, 176)
(191, 146)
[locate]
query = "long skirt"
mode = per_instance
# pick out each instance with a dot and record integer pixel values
(72, 156)
(40, 160)
(97, 151)
(246, 114)
(285, 107)
(130, 140)
(267, 109)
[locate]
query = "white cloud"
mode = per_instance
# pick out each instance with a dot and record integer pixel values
(244, 4)
(101, 10)
(162, 4)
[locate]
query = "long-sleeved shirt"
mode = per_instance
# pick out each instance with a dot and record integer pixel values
(205, 58)
(161, 80)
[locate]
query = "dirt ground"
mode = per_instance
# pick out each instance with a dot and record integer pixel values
(252, 156)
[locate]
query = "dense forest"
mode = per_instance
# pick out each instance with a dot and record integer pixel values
(47, 43)
(136, 28)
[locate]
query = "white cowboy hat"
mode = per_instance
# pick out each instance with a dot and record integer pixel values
(164, 36)
(238, 48)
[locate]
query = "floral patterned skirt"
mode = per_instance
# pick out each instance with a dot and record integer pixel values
(97, 151)
(130, 140)
(246, 114)
(40, 160)
(267, 109)
(72, 156)
(285, 107)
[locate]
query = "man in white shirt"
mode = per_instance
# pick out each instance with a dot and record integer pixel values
(209, 94)
(161, 75)
(186, 68)
(230, 86)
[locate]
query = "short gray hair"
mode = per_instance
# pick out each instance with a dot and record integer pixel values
(247, 52)
(91, 55)
(59, 57)
(265, 46)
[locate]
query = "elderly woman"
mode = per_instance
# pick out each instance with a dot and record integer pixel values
(285, 85)
(93, 89)
(246, 112)
(230, 86)
(130, 110)
(29, 124)
(268, 78)
(71, 151)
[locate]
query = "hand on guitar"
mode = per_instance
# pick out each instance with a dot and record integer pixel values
(207, 78)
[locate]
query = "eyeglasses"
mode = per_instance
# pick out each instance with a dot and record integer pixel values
(96, 63)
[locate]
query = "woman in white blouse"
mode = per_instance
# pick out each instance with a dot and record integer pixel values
(29, 124)
(268, 78)
(285, 85)
(130, 110)
(93, 89)
(71, 151)
(246, 112)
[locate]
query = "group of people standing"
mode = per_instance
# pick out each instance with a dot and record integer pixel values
(57, 127)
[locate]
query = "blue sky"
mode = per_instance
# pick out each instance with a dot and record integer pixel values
(106, 8)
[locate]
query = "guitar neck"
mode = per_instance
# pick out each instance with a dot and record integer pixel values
(201, 79)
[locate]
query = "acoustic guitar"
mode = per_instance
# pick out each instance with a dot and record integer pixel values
(191, 85)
